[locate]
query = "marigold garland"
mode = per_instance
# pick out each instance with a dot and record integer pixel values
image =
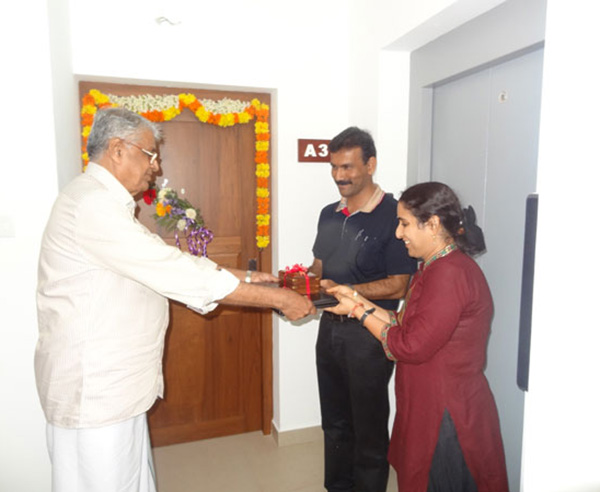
(223, 113)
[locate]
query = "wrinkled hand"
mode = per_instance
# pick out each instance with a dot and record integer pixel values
(295, 306)
(263, 277)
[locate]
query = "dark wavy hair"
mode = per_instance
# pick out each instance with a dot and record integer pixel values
(354, 137)
(432, 198)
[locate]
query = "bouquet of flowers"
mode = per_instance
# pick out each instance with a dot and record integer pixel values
(177, 214)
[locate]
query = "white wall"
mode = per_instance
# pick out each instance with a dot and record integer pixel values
(29, 184)
(305, 60)
(562, 408)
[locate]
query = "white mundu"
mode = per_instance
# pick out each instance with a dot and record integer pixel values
(115, 458)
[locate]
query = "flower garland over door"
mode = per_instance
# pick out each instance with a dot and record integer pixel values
(223, 113)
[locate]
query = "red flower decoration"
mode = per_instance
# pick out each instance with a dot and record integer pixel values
(149, 195)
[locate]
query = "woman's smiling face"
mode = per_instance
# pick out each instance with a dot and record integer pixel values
(417, 237)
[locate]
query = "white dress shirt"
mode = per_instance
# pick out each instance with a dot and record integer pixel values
(103, 281)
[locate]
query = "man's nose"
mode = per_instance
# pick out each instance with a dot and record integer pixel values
(338, 174)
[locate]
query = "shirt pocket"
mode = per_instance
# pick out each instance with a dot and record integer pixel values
(368, 257)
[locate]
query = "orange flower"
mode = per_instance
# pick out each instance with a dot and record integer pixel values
(87, 119)
(195, 105)
(154, 115)
(261, 157)
(262, 230)
(262, 205)
(262, 182)
(262, 115)
(214, 119)
(88, 100)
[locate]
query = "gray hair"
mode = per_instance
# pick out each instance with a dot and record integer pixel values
(117, 123)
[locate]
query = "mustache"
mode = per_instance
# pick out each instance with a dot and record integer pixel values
(342, 183)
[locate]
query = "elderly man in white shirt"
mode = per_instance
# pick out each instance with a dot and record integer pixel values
(103, 285)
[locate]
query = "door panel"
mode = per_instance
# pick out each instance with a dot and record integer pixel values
(217, 367)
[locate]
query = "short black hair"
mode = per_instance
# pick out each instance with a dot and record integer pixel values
(354, 137)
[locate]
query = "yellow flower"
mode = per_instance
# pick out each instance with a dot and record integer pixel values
(262, 241)
(99, 97)
(258, 105)
(202, 114)
(89, 109)
(160, 209)
(171, 113)
(263, 219)
(85, 156)
(262, 145)
(261, 127)
(244, 117)
(262, 192)
(227, 119)
(187, 98)
(262, 170)
(86, 130)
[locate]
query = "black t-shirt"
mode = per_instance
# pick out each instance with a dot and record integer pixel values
(362, 247)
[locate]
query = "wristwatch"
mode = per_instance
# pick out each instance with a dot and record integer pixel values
(248, 278)
(365, 314)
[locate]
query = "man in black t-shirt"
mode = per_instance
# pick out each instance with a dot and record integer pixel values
(356, 245)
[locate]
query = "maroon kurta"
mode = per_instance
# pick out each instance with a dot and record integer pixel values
(440, 346)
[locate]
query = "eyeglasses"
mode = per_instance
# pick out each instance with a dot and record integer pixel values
(153, 155)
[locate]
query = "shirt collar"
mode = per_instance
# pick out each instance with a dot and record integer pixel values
(368, 207)
(112, 184)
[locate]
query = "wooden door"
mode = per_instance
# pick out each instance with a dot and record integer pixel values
(217, 368)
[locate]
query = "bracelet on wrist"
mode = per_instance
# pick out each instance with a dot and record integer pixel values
(365, 314)
(351, 313)
(248, 278)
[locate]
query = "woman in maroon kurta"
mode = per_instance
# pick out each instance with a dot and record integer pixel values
(446, 434)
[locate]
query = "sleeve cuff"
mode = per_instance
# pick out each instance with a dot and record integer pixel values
(383, 337)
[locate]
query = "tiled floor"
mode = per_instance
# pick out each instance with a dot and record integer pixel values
(243, 463)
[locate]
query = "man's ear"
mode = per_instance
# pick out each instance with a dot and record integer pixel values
(372, 165)
(115, 149)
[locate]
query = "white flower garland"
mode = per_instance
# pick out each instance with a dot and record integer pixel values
(147, 102)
